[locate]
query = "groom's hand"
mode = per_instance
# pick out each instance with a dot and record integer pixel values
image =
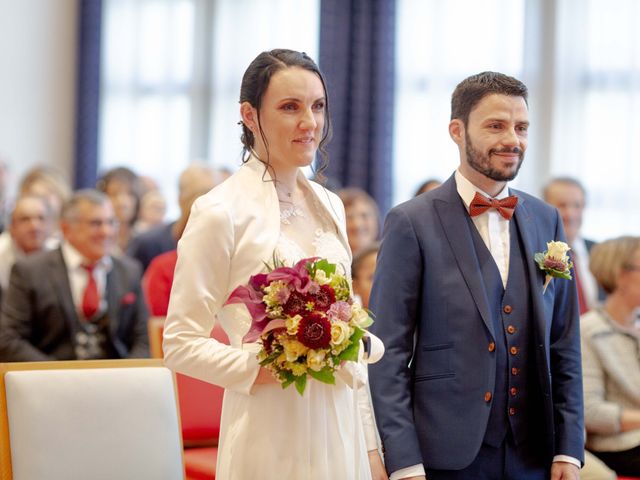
(564, 471)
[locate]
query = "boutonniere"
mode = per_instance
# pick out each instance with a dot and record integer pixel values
(554, 262)
(128, 298)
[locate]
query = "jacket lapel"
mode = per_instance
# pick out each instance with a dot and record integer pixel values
(112, 295)
(526, 225)
(60, 279)
(453, 218)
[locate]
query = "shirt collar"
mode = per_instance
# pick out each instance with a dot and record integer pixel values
(467, 190)
(74, 259)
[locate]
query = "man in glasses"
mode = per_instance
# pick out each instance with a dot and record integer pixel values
(78, 301)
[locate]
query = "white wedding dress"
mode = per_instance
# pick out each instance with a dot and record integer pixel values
(278, 434)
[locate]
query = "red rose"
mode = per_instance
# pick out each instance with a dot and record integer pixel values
(314, 331)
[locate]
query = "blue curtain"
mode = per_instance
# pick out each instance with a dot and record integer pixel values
(357, 56)
(87, 93)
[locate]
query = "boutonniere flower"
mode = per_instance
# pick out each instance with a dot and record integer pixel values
(555, 262)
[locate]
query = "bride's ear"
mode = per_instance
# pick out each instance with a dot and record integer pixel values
(249, 116)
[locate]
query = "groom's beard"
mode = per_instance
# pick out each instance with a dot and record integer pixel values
(483, 164)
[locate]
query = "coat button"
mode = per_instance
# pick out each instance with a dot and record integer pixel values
(507, 309)
(514, 350)
(511, 329)
(492, 346)
(515, 371)
(512, 411)
(513, 391)
(487, 397)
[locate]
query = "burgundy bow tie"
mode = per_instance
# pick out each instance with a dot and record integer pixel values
(481, 204)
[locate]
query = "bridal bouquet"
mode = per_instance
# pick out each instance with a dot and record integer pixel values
(305, 319)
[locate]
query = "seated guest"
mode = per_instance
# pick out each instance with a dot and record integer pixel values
(362, 269)
(363, 218)
(610, 345)
(4, 193)
(158, 277)
(123, 186)
(148, 245)
(427, 186)
(78, 301)
(30, 225)
(568, 195)
(153, 208)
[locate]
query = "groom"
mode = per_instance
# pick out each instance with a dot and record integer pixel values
(481, 378)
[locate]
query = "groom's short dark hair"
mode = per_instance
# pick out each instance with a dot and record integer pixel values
(471, 90)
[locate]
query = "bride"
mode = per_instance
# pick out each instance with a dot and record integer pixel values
(268, 207)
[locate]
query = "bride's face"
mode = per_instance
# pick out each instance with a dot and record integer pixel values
(292, 118)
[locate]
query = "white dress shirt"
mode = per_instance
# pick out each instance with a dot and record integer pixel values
(494, 231)
(79, 276)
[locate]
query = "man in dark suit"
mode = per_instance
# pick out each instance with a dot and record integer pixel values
(78, 301)
(568, 195)
(481, 378)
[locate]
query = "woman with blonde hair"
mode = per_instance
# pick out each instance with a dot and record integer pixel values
(611, 365)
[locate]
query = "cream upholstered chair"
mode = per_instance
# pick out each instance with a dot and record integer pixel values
(99, 420)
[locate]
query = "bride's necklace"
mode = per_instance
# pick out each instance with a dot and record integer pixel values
(288, 209)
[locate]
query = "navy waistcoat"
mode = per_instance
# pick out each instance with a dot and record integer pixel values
(514, 402)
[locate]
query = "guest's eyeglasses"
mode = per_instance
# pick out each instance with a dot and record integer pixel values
(96, 223)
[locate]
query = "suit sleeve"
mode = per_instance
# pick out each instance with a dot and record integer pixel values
(140, 335)
(199, 290)
(394, 302)
(566, 367)
(16, 320)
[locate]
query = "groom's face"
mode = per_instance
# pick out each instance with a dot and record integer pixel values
(496, 136)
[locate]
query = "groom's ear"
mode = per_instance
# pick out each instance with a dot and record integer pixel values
(456, 131)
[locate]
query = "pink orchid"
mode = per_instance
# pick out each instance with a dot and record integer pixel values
(298, 276)
(252, 299)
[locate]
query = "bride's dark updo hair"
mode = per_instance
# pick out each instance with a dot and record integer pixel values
(255, 82)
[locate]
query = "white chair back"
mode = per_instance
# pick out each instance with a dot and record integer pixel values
(99, 420)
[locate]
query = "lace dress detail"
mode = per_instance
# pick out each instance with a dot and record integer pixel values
(307, 230)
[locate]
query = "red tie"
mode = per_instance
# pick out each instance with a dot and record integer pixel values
(90, 297)
(481, 204)
(582, 301)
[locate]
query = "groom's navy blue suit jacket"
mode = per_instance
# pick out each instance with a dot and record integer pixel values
(431, 310)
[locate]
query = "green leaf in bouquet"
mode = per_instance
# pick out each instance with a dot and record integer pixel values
(325, 375)
(287, 378)
(326, 267)
(350, 354)
(270, 359)
(301, 383)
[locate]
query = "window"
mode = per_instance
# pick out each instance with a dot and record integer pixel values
(171, 78)
(436, 48)
(581, 62)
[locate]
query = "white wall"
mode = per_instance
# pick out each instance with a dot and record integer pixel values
(37, 84)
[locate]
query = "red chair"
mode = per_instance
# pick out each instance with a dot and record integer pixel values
(200, 409)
